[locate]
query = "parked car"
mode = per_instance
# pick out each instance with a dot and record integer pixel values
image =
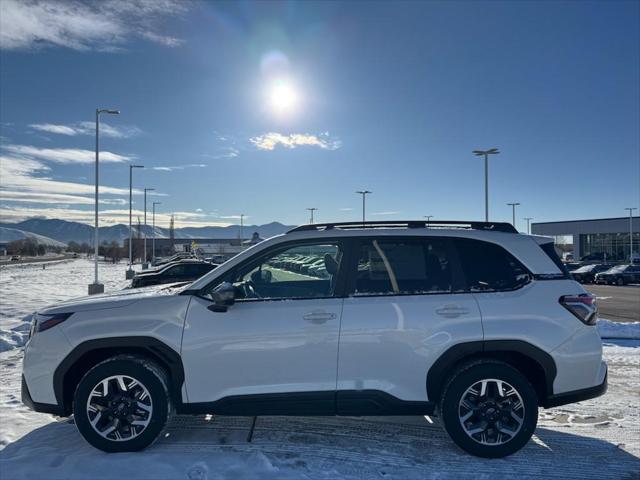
(174, 258)
(181, 271)
(412, 310)
(15, 258)
(587, 273)
(571, 266)
(619, 275)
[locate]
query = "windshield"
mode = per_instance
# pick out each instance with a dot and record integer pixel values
(585, 269)
(617, 268)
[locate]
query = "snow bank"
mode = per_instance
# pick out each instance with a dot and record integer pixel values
(609, 329)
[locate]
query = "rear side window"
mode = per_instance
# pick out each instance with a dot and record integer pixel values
(489, 267)
(404, 267)
(550, 250)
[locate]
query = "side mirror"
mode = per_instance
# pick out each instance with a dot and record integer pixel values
(224, 295)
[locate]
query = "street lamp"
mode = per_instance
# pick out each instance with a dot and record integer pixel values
(631, 209)
(428, 217)
(145, 265)
(312, 209)
(364, 194)
(97, 287)
(153, 243)
(528, 219)
(513, 207)
(485, 154)
(130, 272)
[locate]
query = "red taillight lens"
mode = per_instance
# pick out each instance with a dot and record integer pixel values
(582, 306)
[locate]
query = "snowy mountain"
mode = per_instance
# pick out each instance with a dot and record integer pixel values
(11, 234)
(64, 231)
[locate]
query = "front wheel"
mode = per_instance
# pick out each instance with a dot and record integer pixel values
(620, 281)
(489, 409)
(122, 404)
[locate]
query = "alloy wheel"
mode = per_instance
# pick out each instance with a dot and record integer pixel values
(119, 408)
(491, 412)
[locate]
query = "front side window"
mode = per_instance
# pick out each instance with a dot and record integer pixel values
(404, 267)
(489, 267)
(301, 271)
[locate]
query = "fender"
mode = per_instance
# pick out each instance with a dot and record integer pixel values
(441, 369)
(107, 347)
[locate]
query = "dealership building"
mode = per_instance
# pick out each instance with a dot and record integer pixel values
(598, 238)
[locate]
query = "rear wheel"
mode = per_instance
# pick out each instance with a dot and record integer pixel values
(620, 281)
(489, 409)
(122, 404)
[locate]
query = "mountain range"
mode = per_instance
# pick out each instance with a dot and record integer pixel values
(65, 231)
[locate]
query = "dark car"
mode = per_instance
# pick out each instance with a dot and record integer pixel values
(174, 258)
(571, 266)
(587, 273)
(620, 275)
(181, 271)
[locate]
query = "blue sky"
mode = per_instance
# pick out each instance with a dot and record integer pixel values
(387, 96)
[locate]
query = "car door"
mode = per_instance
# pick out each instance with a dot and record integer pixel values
(406, 306)
(277, 346)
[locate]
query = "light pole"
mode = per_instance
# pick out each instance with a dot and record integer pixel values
(97, 287)
(631, 209)
(312, 209)
(528, 219)
(428, 217)
(153, 242)
(145, 265)
(364, 194)
(513, 207)
(241, 232)
(130, 272)
(485, 154)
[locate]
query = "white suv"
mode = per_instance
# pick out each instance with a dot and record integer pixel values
(472, 322)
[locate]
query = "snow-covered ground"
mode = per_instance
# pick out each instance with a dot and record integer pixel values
(595, 439)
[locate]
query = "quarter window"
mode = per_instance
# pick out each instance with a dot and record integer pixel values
(489, 267)
(404, 267)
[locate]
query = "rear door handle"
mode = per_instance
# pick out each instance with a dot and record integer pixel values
(319, 317)
(451, 311)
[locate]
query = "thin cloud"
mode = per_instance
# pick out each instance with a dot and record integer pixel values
(59, 198)
(386, 213)
(104, 26)
(346, 209)
(271, 140)
(65, 155)
(87, 128)
(178, 167)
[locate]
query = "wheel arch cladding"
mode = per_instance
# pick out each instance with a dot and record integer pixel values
(88, 354)
(535, 364)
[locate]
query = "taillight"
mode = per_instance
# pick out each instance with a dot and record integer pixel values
(582, 306)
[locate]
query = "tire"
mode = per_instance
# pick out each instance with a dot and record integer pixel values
(146, 402)
(620, 281)
(490, 443)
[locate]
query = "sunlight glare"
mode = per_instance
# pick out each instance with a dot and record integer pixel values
(283, 97)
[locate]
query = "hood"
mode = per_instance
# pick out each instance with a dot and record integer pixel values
(117, 299)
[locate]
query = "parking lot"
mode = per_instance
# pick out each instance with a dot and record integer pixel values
(619, 304)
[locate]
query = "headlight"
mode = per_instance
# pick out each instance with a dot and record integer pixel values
(40, 322)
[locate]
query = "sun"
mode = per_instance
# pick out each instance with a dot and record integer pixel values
(283, 97)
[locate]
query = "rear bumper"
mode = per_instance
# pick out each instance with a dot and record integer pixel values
(53, 409)
(576, 395)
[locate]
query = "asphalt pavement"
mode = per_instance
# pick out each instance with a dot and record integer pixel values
(619, 304)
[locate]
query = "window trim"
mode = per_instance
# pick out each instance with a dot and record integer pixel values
(345, 244)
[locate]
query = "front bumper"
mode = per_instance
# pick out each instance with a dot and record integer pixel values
(39, 407)
(577, 395)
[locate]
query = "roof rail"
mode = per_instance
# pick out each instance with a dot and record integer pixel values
(468, 225)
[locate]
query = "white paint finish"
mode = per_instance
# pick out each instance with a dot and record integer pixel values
(388, 343)
(42, 354)
(260, 347)
(579, 361)
(533, 314)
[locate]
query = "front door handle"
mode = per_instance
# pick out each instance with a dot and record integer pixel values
(451, 311)
(319, 317)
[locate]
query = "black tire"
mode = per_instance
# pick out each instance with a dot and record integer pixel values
(144, 371)
(467, 376)
(620, 281)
